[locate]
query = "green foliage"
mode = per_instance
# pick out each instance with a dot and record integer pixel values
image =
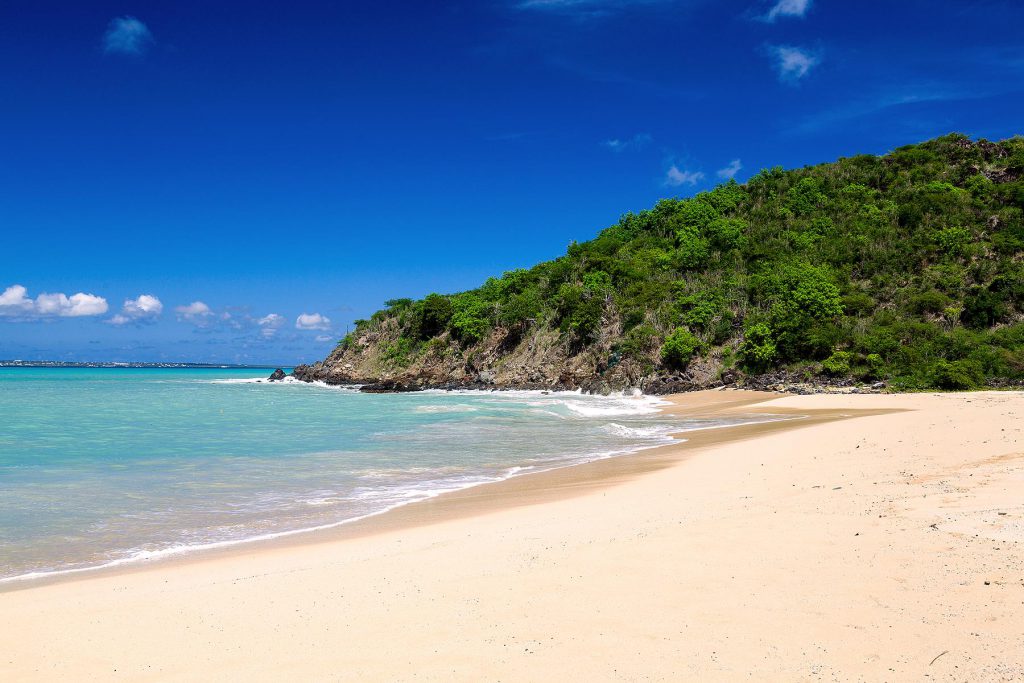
(521, 309)
(435, 311)
(694, 214)
(957, 375)
(758, 350)
(953, 241)
(838, 363)
(804, 197)
(912, 263)
(931, 301)
(471, 318)
(699, 310)
(983, 308)
(727, 233)
(397, 352)
(638, 342)
(679, 348)
(579, 311)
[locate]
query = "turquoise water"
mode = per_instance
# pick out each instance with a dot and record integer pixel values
(107, 466)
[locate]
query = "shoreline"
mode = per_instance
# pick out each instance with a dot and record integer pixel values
(889, 546)
(725, 405)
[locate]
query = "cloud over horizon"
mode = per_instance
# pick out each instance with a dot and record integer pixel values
(143, 308)
(196, 313)
(312, 321)
(270, 324)
(127, 36)
(15, 303)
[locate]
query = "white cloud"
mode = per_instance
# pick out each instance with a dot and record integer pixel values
(196, 312)
(787, 8)
(14, 302)
(127, 36)
(312, 321)
(676, 177)
(272, 320)
(638, 141)
(323, 338)
(270, 324)
(731, 170)
(144, 307)
(793, 63)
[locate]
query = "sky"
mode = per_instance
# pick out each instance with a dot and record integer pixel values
(236, 182)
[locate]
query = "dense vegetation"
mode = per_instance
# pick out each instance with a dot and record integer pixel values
(905, 268)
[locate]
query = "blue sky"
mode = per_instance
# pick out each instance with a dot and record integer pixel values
(237, 182)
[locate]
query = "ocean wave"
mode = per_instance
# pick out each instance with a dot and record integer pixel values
(612, 409)
(661, 432)
(251, 380)
(454, 408)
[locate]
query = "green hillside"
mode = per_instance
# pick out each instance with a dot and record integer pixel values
(905, 268)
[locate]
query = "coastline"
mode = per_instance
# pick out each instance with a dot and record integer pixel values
(472, 499)
(725, 554)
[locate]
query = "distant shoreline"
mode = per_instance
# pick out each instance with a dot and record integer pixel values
(113, 364)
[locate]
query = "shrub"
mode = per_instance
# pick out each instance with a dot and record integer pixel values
(692, 250)
(638, 342)
(434, 314)
(983, 308)
(757, 351)
(398, 351)
(698, 310)
(931, 301)
(693, 213)
(579, 312)
(728, 233)
(858, 303)
(957, 375)
(679, 348)
(838, 363)
(521, 308)
(471, 319)
(805, 196)
(954, 241)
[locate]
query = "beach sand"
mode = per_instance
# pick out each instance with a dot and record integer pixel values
(879, 537)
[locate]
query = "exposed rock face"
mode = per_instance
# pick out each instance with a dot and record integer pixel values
(542, 361)
(277, 375)
(506, 359)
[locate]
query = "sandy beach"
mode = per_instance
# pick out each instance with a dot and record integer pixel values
(877, 537)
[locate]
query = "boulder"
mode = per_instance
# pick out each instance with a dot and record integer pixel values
(388, 386)
(277, 375)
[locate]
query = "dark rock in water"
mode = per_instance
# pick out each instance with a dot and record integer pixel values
(277, 375)
(388, 386)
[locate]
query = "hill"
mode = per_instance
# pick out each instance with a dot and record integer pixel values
(905, 269)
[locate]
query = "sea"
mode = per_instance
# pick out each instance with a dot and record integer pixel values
(102, 467)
